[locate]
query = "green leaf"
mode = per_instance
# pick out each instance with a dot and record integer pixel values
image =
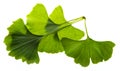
(15, 29)
(41, 33)
(50, 44)
(37, 20)
(57, 16)
(21, 43)
(84, 50)
(51, 27)
(69, 32)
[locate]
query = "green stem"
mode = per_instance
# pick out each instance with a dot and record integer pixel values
(68, 23)
(71, 22)
(86, 28)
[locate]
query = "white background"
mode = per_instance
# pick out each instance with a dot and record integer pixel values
(103, 19)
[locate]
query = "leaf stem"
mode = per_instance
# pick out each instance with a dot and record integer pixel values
(68, 23)
(86, 28)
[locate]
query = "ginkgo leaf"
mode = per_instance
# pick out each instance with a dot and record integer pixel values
(84, 50)
(51, 43)
(57, 15)
(37, 20)
(12, 30)
(51, 27)
(21, 43)
(71, 32)
(41, 33)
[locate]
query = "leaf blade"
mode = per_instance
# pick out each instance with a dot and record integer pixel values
(86, 49)
(50, 44)
(71, 33)
(37, 20)
(22, 44)
(57, 15)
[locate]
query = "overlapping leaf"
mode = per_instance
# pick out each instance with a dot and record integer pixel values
(41, 33)
(84, 50)
(51, 43)
(69, 32)
(37, 20)
(44, 34)
(21, 43)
